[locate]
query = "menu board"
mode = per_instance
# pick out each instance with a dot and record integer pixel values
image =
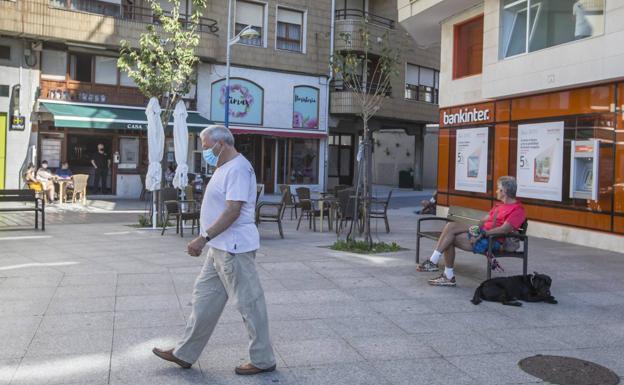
(51, 151)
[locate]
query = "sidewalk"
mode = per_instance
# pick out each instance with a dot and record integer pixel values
(84, 303)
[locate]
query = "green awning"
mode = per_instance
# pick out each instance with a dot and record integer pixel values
(106, 117)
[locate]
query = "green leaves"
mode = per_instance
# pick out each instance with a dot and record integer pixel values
(164, 63)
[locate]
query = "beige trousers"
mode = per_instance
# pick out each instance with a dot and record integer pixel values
(225, 275)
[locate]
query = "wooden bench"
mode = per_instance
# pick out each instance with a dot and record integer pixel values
(24, 196)
(472, 217)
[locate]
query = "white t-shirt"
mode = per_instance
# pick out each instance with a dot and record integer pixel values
(233, 181)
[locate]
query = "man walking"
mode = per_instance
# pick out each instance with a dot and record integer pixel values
(101, 164)
(227, 227)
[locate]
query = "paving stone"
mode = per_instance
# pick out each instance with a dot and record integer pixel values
(66, 323)
(147, 302)
(84, 291)
(381, 348)
(149, 318)
(361, 373)
(401, 306)
(460, 344)
(81, 305)
(357, 282)
(373, 325)
(25, 307)
(87, 369)
(76, 342)
(7, 370)
(316, 352)
(300, 330)
(494, 369)
(281, 376)
(425, 371)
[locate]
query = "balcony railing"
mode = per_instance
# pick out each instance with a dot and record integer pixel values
(127, 11)
(421, 93)
(358, 14)
(371, 88)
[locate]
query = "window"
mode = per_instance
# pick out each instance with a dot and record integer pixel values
(422, 84)
(106, 70)
(4, 90)
(252, 14)
(80, 67)
(548, 23)
(125, 80)
(5, 52)
(53, 64)
(290, 30)
(304, 161)
(468, 48)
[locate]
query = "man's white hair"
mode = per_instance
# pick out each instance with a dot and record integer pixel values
(218, 133)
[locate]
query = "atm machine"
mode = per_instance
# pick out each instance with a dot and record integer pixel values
(584, 169)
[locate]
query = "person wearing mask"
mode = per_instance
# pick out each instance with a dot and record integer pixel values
(46, 178)
(101, 163)
(227, 227)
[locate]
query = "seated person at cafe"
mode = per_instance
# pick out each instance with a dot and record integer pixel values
(31, 179)
(64, 172)
(503, 218)
(46, 178)
(169, 175)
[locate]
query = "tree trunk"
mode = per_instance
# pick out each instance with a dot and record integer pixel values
(367, 182)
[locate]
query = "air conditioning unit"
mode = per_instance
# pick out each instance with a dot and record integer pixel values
(36, 45)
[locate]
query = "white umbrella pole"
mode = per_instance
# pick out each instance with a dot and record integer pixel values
(154, 209)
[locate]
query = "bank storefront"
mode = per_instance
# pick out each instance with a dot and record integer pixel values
(71, 131)
(278, 120)
(565, 148)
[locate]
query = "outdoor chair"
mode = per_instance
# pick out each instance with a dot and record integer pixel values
(346, 209)
(379, 209)
(183, 211)
(79, 188)
(289, 201)
(272, 212)
(307, 207)
(144, 191)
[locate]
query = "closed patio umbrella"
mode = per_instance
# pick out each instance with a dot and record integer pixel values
(180, 143)
(155, 147)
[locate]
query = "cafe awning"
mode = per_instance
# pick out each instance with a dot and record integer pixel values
(108, 117)
(279, 132)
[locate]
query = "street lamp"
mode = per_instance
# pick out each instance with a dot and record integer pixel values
(247, 33)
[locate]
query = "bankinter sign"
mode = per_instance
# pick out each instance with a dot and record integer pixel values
(466, 116)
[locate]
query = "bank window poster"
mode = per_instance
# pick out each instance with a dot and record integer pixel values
(471, 159)
(246, 101)
(539, 163)
(306, 107)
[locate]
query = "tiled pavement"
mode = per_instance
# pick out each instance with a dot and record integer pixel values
(84, 303)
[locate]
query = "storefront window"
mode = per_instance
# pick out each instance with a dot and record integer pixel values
(304, 161)
(548, 23)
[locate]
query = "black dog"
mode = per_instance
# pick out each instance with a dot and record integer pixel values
(508, 290)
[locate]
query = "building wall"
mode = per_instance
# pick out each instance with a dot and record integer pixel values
(12, 72)
(393, 152)
(460, 91)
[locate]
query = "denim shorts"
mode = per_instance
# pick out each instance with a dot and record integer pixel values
(481, 246)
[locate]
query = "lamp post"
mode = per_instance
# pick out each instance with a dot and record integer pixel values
(247, 32)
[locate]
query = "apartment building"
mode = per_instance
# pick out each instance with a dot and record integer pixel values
(533, 89)
(72, 97)
(403, 141)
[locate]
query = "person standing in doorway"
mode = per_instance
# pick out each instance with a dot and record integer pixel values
(227, 226)
(101, 162)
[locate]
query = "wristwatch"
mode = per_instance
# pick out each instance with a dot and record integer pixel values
(207, 237)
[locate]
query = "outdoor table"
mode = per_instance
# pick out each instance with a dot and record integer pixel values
(62, 182)
(330, 200)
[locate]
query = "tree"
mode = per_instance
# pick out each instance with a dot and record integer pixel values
(367, 76)
(164, 63)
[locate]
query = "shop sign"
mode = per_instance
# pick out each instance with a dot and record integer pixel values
(246, 101)
(305, 107)
(471, 159)
(539, 163)
(136, 126)
(18, 123)
(466, 116)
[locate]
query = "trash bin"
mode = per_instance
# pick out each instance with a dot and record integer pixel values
(406, 180)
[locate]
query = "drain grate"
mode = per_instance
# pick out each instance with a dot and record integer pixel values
(568, 371)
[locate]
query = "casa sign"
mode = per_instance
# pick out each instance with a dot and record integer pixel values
(466, 116)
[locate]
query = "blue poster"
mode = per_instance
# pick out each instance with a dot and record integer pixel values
(306, 107)
(246, 101)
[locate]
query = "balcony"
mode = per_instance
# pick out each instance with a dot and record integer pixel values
(358, 14)
(340, 86)
(127, 11)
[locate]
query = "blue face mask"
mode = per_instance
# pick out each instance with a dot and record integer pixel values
(209, 156)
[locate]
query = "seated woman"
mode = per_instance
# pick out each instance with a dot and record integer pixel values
(46, 178)
(31, 179)
(503, 218)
